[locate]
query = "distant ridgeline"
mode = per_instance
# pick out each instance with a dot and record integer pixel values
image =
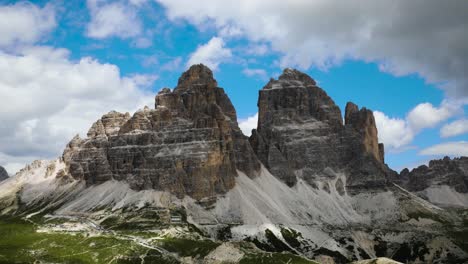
(305, 181)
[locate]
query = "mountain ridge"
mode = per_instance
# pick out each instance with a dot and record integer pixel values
(307, 181)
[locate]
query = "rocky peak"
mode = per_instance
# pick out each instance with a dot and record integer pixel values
(363, 121)
(108, 125)
(190, 144)
(295, 75)
(301, 134)
(294, 97)
(292, 111)
(3, 174)
(350, 111)
(197, 74)
(196, 90)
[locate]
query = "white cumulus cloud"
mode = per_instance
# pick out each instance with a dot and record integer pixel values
(25, 23)
(48, 98)
(454, 128)
(213, 53)
(398, 132)
(425, 115)
(246, 125)
(458, 148)
(424, 37)
(393, 132)
(114, 19)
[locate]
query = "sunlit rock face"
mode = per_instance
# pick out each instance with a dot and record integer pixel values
(190, 144)
(363, 121)
(301, 134)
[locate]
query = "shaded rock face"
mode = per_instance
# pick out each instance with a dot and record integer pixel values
(446, 171)
(3, 174)
(190, 144)
(301, 134)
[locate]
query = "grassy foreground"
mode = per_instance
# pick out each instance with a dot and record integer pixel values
(20, 242)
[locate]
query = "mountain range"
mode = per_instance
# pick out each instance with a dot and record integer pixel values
(309, 183)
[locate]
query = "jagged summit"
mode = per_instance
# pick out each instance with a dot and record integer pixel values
(440, 181)
(295, 75)
(301, 101)
(190, 144)
(197, 74)
(301, 134)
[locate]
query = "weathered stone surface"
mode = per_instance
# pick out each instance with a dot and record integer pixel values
(190, 144)
(364, 122)
(446, 171)
(108, 125)
(3, 174)
(301, 134)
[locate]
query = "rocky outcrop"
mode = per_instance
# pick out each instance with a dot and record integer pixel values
(108, 125)
(446, 171)
(363, 121)
(301, 134)
(3, 174)
(190, 144)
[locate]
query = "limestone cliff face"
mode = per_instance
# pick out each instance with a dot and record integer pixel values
(3, 174)
(190, 144)
(363, 121)
(301, 134)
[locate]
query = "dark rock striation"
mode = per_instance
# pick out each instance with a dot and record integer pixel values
(446, 171)
(301, 134)
(190, 144)
(3, 174)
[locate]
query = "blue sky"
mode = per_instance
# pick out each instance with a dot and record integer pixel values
(82, 59)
